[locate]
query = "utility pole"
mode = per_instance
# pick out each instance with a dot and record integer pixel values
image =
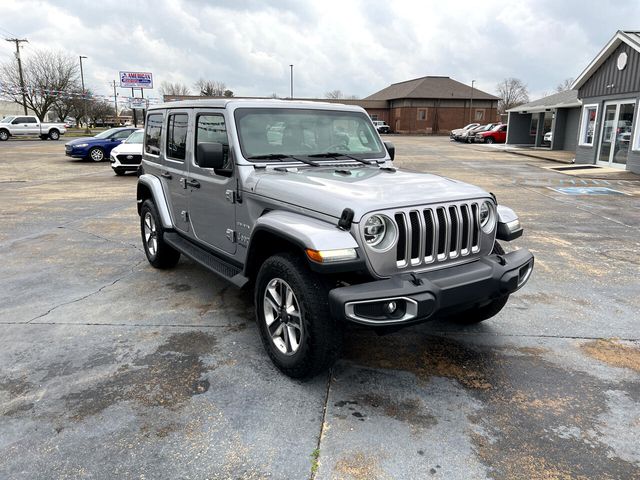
(291, 96)
(84, 97)
(115, 100)
(471, 116)
(18, 41)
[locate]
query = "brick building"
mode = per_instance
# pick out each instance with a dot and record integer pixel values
(431, 105)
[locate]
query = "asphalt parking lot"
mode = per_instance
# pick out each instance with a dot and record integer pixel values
(111, 369)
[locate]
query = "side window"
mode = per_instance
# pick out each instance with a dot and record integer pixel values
(177, 136)
(121, 135)
(152, 134)
(32, 120)
(211, 128)
(19, 120)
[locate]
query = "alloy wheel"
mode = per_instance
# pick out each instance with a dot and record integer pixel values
(282, 316)
(150, 234)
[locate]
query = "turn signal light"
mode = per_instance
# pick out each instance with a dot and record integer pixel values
(331, 256)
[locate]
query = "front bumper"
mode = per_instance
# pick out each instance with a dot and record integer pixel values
(419, 297)
(76, 152)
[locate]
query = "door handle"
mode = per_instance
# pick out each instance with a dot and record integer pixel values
(166, 175)
(193, 183)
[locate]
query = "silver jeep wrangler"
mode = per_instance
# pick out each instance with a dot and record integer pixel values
(300, 200)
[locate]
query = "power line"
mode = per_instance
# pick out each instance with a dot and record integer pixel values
(7, 32)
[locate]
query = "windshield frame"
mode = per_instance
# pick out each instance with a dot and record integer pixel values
(370, 133)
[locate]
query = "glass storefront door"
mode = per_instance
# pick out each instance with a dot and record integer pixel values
(615, 138)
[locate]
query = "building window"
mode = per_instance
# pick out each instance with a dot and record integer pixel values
(479, 116)
(374, 117)
(588, 125)
(422, 114)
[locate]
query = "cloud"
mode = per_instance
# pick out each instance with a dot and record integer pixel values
(355, 46)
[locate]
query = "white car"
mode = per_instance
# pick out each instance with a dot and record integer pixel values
(381, 126)
(548, 137)
(127, 156)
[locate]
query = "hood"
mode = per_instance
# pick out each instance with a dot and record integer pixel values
(76, 141)
(128, 148)
(365, 189)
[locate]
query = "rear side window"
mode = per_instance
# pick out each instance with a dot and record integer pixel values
(177, 136)
(152, 134)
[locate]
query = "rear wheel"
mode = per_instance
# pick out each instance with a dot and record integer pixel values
(292, 312)
(54, 134)
(96, 154)
(484, 312)
(159, 253)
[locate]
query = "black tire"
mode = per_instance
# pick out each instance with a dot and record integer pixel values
(317, 334)
(43, 137)
(488, 140)
(119, 171)
(159, 253)
(96, 154)
(54, 134)
(4, 135)
(485, 312)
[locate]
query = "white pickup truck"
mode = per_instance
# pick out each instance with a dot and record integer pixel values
(29, 125)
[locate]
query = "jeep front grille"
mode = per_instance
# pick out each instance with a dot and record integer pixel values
(436, 234)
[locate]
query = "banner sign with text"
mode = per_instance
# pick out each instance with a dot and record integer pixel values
(136, 80)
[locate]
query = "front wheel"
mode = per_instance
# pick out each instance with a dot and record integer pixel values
(119, 171)
(159, 253)
(96, 154)
(293, 317)
(489, 140)
(4, 135)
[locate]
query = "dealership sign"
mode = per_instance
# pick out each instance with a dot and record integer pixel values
(136, 80)
(138, 103)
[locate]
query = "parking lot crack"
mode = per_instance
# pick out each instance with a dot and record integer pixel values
(110, 240)
(84, 297)
(316, 453)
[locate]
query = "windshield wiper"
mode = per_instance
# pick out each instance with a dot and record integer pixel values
(338, 154)
(281, 157)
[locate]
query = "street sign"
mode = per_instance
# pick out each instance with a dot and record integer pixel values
(137, 103)
(136, 80)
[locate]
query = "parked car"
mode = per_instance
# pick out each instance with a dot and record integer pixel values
(325, 232)
(381, 126)
(127, 156)
(29, 125)
(548, 137)
(497, 134)
(99, 147)
(469, 136)
(458, 131)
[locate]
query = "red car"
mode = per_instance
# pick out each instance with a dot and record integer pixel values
(497, 134)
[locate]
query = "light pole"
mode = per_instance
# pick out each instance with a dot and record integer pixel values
(291, 82)
(471, 103)
(84, 97)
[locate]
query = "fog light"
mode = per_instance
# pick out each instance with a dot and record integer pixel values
(390, 307)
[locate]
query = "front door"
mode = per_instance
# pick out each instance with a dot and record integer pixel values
(212, 208)
(615, 136)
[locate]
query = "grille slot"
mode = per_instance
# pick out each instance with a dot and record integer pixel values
(437, 234)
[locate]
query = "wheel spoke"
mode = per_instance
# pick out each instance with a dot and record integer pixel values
(272, 290)
(292, 338)
(286, 339)
(289, 298)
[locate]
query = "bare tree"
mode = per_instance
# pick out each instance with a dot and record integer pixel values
(169, 88)
(227, 93)
(48, 75)
(212, 88)
(68, 104)
(99, 110)
(565, 85)
(334, 94)
(512, 92)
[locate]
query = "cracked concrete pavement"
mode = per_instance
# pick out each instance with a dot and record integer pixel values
(111, 369)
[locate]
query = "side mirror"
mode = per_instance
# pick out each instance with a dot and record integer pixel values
(210, 155)
(391, 149)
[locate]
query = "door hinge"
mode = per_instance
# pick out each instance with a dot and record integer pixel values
(185, 215)
(231, 235)
(230, 196)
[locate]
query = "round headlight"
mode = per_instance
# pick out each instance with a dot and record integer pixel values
(487, 217)
(374, 229)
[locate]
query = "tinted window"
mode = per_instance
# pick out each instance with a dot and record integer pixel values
(20, 120)
(122, 134)
(32, 120)
(177, 136)
(152, 132)
(211, 128)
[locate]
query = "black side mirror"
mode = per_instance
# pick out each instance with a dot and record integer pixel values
(210, 155)
(391, 149)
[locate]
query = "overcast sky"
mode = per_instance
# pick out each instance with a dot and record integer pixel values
(356, 46)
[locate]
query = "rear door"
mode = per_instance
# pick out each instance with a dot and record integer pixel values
(212, 192)
(174, 166)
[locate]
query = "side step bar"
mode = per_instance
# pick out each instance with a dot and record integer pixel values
(207, 259)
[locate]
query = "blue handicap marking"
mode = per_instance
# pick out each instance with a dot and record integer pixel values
(587, 191)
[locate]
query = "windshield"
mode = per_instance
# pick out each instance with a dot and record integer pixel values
(135, 137)
(298, 132)
(7, 119)
(106, 133)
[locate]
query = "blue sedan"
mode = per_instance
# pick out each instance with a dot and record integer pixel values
(99, 147)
